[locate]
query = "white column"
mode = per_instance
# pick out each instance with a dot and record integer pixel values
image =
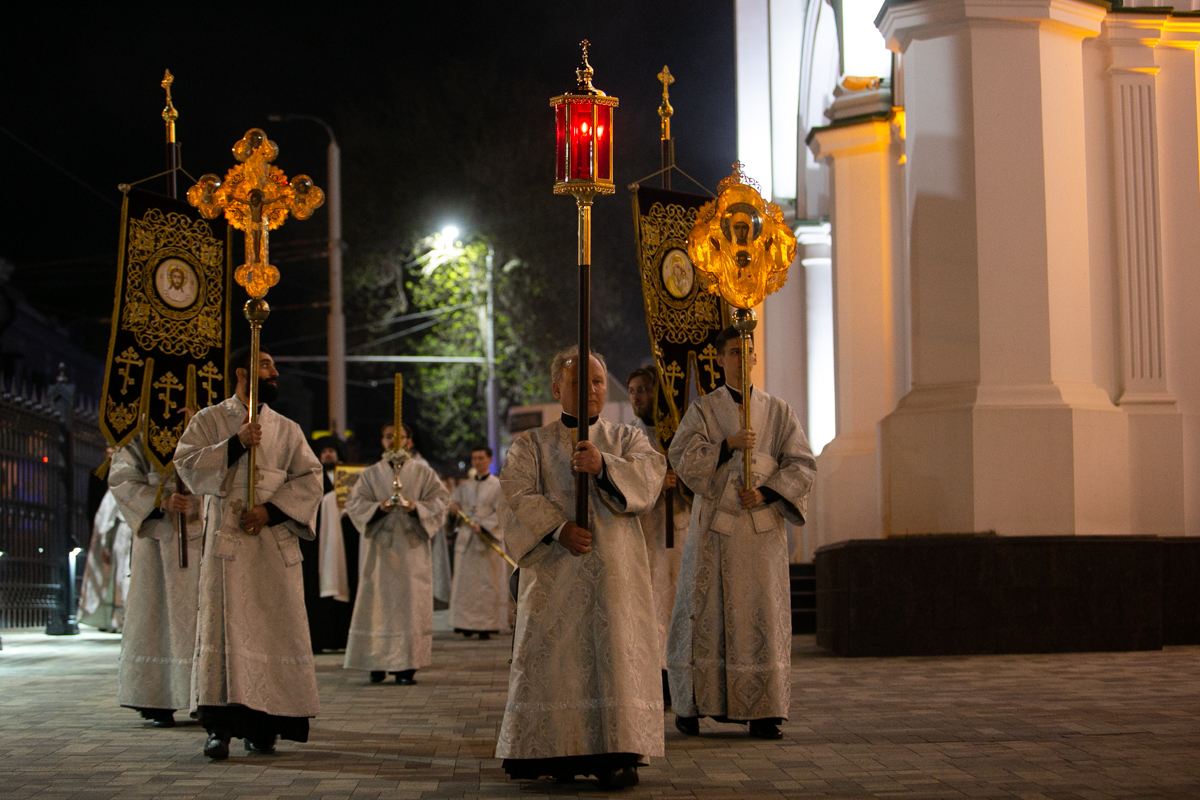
(863, 167)
(1155, 425)
(1004, 428)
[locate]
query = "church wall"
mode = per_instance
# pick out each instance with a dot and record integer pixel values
(1179, 158)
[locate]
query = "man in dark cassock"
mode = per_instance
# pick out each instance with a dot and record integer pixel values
(330, 561)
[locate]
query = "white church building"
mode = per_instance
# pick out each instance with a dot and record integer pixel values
(993, 321)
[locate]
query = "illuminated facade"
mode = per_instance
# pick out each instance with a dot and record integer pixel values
(1002, 321)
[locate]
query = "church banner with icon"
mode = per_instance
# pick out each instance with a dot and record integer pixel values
(683, 318)
(170, 327)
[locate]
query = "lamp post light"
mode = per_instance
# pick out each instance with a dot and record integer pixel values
(448, 242)
(583, 169)
(337, 319)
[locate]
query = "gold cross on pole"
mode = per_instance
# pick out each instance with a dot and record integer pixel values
(256, 198)
(664, 110)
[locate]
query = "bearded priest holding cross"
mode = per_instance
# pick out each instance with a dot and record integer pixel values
(253, 675)
(745, 456)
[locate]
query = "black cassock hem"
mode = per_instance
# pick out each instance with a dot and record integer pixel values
(241, 722)
(569, 766)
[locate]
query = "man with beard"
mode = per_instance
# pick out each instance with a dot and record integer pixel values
(392, 626)
(729, 649)
(584, 696)
(642, 385)
(253, 676)
(155, 672)
(479, 594)
(329, 580)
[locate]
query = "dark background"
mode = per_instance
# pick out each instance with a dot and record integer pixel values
(443, 118)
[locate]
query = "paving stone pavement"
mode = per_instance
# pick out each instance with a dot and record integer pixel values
(1095, 726)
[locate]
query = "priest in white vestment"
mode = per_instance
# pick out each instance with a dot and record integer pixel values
(729, 650)
(479, 593)
(584, 694)
(392, 626)
(253, 678)
(328, 597)
(106, 575)
(155, 671)
(665, 561)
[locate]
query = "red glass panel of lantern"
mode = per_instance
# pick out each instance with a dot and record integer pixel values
(581, 141)
(604, 143)
(560, 149)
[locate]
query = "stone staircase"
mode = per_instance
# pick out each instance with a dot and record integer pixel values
(804, 598)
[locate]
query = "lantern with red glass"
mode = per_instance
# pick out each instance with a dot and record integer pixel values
(583, 124)
(583, 168)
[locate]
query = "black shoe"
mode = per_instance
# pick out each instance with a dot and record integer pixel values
(262, 747)
(467, 634)
(621, 778)
(406, 677)
(564, 778)
(217, 747)
(377, 677)
(484, 636)
(765, 729)
(165, 722)
(688, 726)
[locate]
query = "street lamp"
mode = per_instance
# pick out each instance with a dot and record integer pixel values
(337, 318)
(447, 243)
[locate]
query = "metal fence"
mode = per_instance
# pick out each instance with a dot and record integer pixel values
(48, 447)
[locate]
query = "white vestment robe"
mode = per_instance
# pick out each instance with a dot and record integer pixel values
(585, 677)
(665, 562)
(252, 644)
(479, 593)
(392, 626)
(105, 586)
(729, 649)
(331, 560)
(159, 639)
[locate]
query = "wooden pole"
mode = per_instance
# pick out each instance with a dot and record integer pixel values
(584, 204)
(169, 116)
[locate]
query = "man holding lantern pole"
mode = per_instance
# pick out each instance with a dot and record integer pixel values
(730, 643)
(584, 693)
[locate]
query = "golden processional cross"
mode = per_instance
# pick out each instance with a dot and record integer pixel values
(256, 198)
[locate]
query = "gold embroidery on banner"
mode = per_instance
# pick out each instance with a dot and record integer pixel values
(121, 416)
(168, 383)
(158, 322)
(680, 320)
(129, 358)
(164, 439)
(208, 375)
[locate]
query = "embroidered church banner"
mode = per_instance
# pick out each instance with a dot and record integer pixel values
(170, 326)
(683, 318)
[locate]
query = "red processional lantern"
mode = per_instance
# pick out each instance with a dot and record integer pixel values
(583, 122)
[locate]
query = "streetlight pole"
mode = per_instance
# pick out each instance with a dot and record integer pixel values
(336, 327)
(490, 344)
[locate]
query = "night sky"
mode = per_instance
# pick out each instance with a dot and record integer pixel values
(82, 87)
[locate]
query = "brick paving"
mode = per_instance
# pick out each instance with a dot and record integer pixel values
(1095, 726)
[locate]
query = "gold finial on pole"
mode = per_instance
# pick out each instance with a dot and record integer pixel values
(665, 111)
(169, 114)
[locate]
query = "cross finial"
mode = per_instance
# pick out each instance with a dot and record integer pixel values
(664, 110)
(169, 113)
(583, 75)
